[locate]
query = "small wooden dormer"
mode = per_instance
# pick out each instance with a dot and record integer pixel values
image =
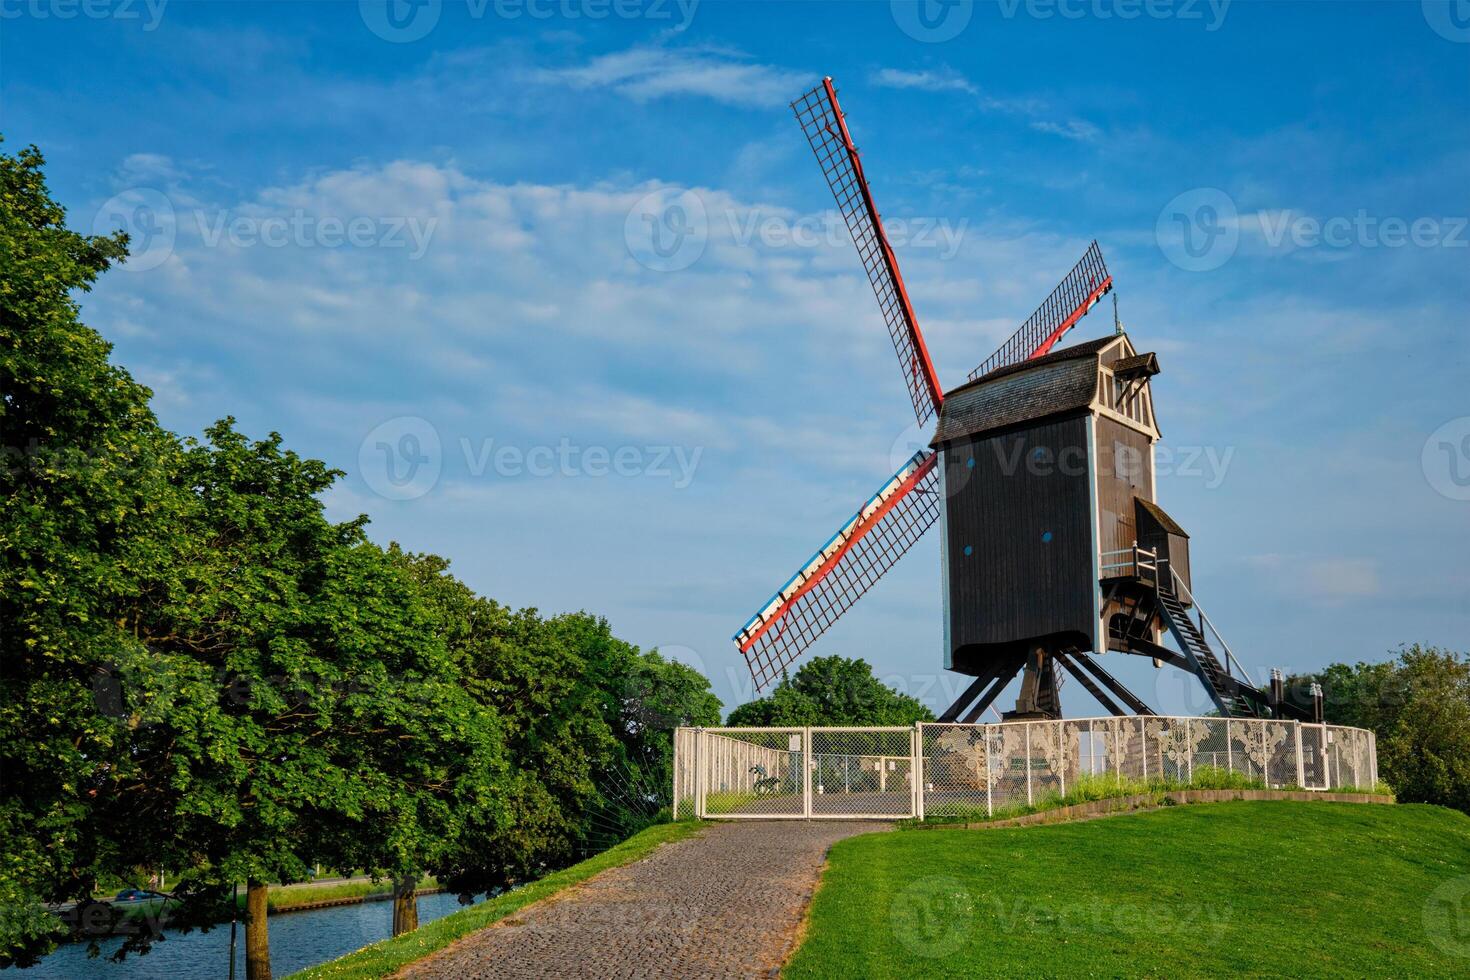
(1123, 390)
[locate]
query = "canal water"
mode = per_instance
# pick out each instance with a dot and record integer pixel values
(298, 940)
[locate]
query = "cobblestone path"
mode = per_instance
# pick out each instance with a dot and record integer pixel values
(727, 903)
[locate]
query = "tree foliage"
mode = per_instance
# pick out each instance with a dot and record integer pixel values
(832, 691)
(85, 480)
(200, 672)
(1418, 704)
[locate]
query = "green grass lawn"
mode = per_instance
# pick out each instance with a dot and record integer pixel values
(381, 959)
(1295, 889)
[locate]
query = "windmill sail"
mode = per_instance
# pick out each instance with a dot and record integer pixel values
(837, 574)
(825, 128)
(1078, 293)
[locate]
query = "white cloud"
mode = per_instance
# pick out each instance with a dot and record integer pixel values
(949, 80)
(942, 80)
(647, 73)
(1073, 129)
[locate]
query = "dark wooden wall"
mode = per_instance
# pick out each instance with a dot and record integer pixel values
(1124, 470)
(1021, 502)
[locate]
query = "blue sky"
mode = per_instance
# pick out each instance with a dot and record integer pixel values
(427, 233)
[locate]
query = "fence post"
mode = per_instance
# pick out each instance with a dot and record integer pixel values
(677, 740)
(1143, 746)
(917, 769)
(1062, 748)
(1229, 748)
(1028, 763)
(989, 779)
(1373, 757)
(699, 753)
(1337, 770)
(806, 772)
(1301, 771)
(1189, 746)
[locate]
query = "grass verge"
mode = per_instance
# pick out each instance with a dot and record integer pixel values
(1241, 888)
(381, 959)
(282, 899)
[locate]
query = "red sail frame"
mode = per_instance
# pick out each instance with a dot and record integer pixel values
(842, 570)
(1073, 298)
(822, 121)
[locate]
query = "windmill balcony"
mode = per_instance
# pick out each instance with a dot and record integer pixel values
(1135, 563)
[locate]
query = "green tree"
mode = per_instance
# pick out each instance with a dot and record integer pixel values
(643, 699)
(86, 480)
(1419, 706)
(337, 732)
(832, 691)
(521, 667)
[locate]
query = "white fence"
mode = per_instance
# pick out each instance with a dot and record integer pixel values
(955, 769)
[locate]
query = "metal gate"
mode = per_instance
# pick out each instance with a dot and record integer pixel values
(862, 772)
(1312, 757)
(811, 773)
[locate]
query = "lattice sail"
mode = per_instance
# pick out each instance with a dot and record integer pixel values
(836, 576)
(1078, 293)
(822, 121)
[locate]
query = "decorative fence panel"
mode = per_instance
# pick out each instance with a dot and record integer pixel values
(959, 770)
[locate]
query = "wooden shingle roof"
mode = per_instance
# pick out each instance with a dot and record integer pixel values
(1062, 381)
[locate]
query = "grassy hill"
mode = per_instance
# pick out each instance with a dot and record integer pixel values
(1298, 889)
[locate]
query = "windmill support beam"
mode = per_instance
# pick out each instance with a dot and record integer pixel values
(952, 713)
(1109, 705)
(1134, 703)
(1005, 672)
(1148, 648)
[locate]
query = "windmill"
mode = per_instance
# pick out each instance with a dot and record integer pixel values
(1040, 473)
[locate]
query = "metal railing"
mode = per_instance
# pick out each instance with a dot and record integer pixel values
(957, 769)
(1182, 590)
(1141, 563)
